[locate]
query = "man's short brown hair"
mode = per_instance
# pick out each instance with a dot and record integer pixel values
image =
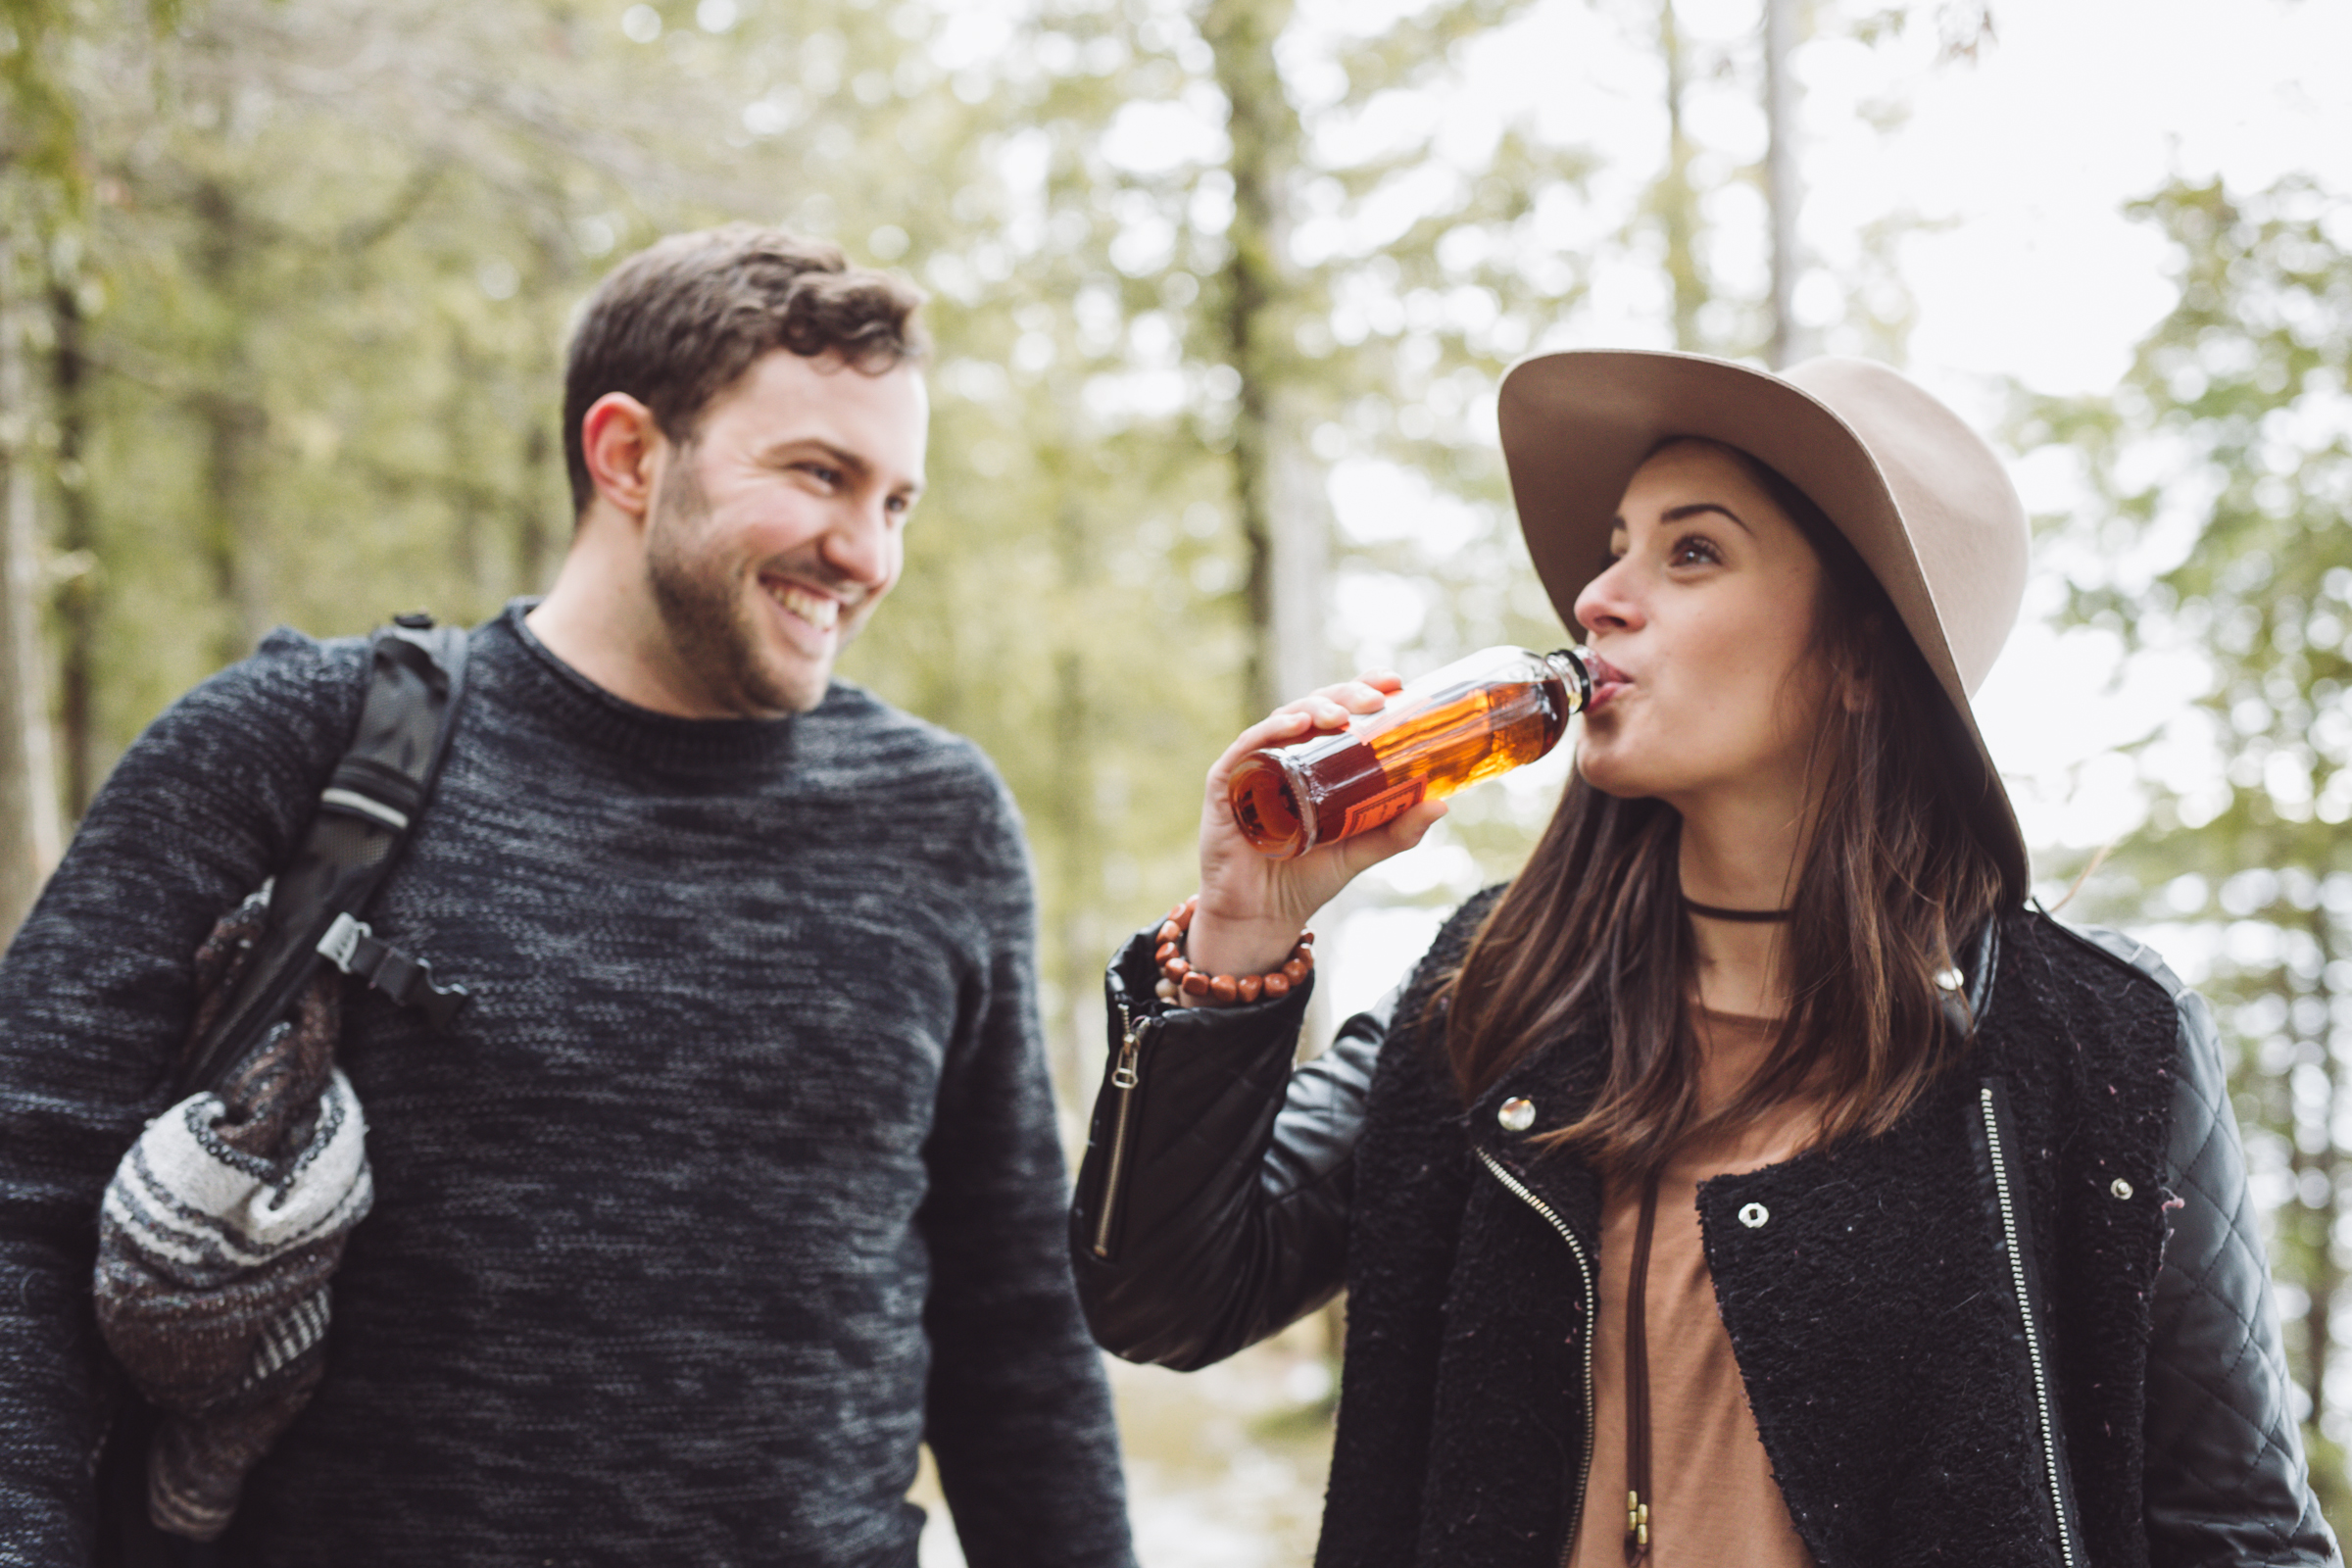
(678, 324)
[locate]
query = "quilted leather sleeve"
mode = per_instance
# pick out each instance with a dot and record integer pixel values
(1224, 1215)
(2226, 1480)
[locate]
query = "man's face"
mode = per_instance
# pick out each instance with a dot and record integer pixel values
(775, 531)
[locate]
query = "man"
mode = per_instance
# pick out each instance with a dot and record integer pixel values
(738, 1176)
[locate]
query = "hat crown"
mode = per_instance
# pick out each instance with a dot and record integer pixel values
(1961, 515)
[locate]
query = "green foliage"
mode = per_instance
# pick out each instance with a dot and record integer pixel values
(305, 340)
(41, 131)
(2219, 473)
(303, 344)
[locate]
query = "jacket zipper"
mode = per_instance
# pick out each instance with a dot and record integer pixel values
(2025, 1312)
(1123, 1078)
(1583, 1269)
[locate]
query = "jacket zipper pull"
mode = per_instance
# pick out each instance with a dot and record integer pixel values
(1124, 1076)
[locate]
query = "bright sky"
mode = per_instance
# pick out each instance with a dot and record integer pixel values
(2023, 160)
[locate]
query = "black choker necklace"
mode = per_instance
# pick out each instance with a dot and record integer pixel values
(1748, 916)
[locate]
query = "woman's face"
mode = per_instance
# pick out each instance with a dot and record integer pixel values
(1706, 686)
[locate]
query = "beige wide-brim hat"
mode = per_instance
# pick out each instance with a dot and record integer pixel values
(1920, 495)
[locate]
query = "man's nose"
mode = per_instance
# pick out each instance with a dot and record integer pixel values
(859, 543)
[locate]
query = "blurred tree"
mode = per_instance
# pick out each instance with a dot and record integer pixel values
(1163, 318)
(2218, 475)
(1673, 199)
(43, 175)
(1783, 196)
(1686, 224)
(1190, 262)
(30, 829)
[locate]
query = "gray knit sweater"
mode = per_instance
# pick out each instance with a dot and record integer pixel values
(737, 1180)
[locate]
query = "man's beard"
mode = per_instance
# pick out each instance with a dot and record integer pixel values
(714, 627)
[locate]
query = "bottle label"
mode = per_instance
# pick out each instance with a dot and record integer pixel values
(1388, 805)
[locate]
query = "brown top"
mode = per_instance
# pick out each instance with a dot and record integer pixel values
(1713, 1503)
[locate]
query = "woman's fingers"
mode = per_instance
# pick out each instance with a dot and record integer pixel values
(1324, 710)
(1330, 707)
(1280, 727)
(1367, 850)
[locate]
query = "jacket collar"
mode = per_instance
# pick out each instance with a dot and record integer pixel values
(1555, 1085)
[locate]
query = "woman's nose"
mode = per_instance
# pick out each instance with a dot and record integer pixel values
(1609, 601)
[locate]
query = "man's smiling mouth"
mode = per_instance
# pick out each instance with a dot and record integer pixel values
(817, 610)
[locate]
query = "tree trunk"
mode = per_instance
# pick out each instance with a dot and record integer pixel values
(535, 552)
(234, 427)
(1073, 1039)
(1277, 486)
(2327, 1268)
(1073, 962)
(29, 831)
(79, 591)
(1782, 193)
(1677, 202)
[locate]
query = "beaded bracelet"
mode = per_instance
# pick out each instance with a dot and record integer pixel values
(1183, 986)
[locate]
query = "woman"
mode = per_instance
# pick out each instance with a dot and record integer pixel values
(1757, 1179)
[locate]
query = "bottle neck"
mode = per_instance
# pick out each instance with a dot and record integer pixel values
(1566, 664)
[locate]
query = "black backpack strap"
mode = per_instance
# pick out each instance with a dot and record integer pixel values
(416, 681)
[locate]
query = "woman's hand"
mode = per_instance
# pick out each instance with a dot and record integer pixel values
(1252, 907)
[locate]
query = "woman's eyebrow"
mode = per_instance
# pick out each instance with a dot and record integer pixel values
(1677, 513)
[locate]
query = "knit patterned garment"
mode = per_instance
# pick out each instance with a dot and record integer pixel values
(219, 1236)
(737, 1179)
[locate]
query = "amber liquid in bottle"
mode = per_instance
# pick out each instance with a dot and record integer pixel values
(1476, 718)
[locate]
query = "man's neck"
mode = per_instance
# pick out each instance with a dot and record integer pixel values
(614, 637)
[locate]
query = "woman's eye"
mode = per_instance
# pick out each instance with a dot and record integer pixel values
(1692, 550)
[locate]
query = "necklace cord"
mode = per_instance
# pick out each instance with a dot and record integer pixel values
(1747, 916)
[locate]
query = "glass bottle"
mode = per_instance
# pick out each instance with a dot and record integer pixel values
(1472, 719)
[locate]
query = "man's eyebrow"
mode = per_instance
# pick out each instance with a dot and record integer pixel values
(839, 456)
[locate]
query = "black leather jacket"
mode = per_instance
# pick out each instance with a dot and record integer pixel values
(1215, 1202)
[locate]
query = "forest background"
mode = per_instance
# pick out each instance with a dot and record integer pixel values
(1221, 290)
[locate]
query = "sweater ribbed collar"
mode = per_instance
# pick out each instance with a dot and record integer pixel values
(585, 710)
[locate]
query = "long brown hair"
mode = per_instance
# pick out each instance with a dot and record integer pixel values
(1890, 883)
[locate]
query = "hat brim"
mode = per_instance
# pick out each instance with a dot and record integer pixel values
(1575, 425)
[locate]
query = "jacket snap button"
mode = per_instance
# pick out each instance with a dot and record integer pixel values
(1950, 979)
(1517, 1115)
(2120, 1187)
(1754, 1215)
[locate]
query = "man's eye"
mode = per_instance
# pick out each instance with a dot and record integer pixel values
(823, 475)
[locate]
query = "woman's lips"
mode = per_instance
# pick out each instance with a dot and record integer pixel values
(1608, 681)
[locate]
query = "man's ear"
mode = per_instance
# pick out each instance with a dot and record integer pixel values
(618, 438)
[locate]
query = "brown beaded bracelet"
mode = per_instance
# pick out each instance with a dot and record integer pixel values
(1183, 986)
